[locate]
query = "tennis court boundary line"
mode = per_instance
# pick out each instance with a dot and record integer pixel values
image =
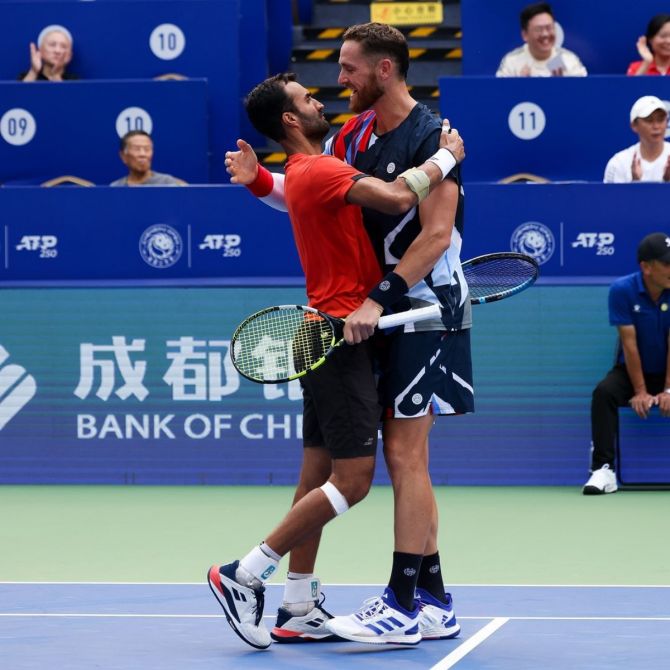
(145, 615)
(380, 585)
(471, 643)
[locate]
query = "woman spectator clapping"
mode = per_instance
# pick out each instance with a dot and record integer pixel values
(654, 48)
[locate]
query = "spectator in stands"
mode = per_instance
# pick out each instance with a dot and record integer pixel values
(539, 56)
(51, 56)
(639, 306)
(137, 152)
(649, 159)
(654, 48)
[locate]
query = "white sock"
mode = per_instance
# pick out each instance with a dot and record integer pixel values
(301, 592)
(259, 564)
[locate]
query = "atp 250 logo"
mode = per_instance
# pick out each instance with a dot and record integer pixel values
(601, 242)
(227, 244)
(45, 245)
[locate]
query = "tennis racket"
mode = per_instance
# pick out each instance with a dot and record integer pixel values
(282, 343)
(496, 276)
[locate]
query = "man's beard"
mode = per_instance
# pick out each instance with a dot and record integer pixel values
(366, 97)
(314, 128)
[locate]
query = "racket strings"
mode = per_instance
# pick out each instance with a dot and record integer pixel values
(498, 276)
(280, 344)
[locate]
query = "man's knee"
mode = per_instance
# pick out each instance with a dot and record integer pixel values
(603, 395)
(353, 478)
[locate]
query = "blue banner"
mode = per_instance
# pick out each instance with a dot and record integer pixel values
(136, 386)
(149, 234)
(223, 235)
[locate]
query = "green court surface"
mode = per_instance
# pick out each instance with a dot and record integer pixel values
(489, 535)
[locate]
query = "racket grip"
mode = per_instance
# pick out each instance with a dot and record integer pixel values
(410, 316)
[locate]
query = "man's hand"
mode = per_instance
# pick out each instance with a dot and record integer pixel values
(525, 71)
(666, 172)
(452, 141)
(242, 165)
(361, 323)
(663, 402)
(642, 402)
(35, 59)
(636, 168)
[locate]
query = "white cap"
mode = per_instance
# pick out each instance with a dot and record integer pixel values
(52, 29)
(645, 106)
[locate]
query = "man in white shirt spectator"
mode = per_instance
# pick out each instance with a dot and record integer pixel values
(649, 159)
(540, 56)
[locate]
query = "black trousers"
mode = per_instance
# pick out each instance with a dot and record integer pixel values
(614, 391)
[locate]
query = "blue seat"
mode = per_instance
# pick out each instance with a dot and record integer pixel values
(643, 451)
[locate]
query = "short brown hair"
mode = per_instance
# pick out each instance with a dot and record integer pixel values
(380, 39)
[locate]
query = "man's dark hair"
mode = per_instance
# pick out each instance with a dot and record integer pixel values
(657, 22)
(132, 133)
(379, 39)
(267, 102)
(527, 13)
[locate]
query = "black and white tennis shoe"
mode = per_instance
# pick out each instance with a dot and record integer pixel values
(242, 605)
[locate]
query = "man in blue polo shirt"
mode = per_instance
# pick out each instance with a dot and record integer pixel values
(639, 306)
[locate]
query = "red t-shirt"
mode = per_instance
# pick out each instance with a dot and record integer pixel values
(337, 258)
(635, 66)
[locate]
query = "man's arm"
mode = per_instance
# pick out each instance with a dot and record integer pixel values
(438, 215)
(642, 401)
(663, 398)
(243, 168)
(413, 185)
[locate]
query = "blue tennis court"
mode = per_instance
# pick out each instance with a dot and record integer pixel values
(77, 626)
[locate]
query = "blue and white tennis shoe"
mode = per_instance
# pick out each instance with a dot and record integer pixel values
(243, 606)
(379, 621)
(437, 620)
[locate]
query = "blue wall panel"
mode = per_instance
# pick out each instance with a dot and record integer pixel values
(566, 129)
(602, 33)
(74, 129)
(112, 41)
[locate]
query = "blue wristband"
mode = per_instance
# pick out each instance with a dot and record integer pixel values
(389, 290)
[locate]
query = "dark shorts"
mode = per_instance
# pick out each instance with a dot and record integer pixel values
(426, 373)
(341, 406)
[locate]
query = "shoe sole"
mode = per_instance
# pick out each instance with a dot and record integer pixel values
(404, 640)
(446, 635)
(595, 491)
(289, 637)
(222, 601)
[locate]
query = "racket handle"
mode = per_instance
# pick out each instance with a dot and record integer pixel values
(410, 316)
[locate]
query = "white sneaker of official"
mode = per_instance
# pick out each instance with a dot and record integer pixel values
(601, 481)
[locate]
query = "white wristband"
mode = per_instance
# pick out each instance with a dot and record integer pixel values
(445, 160)
(667, 390)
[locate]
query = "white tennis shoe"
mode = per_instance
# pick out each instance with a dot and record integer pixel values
(379, 621)
(601, 481)
(437, 620)
(243, 606)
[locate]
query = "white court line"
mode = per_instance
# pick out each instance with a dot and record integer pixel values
(462, 650)
(149, 615)
(516, 586)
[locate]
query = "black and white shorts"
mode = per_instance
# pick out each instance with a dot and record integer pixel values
(426, 373)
